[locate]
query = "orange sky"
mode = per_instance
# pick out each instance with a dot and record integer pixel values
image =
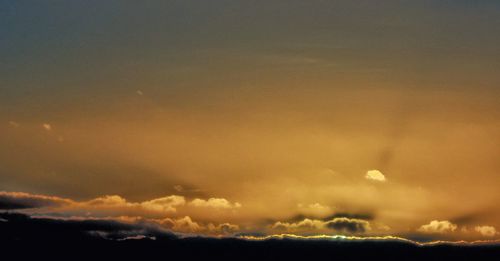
(305, 118)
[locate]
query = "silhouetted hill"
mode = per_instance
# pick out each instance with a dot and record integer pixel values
(23, 236)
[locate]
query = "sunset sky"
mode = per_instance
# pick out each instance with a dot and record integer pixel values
(364, 118)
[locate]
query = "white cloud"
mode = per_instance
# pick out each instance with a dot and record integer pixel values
(305, 224)
(220, 203)
(115, 202)
(187, 225)
(375, 175)
(438, 227)
(47, 126)
(487, 231)
(164, 204)
(108, 200)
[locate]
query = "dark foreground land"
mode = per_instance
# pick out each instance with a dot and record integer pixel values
(22, 236)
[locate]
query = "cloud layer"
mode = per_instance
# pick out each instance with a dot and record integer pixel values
(340, 225)
(189, 216)
(21, 200)
(114, 207)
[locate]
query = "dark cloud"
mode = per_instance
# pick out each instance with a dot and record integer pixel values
(18, 200)
(348, 225)
(295, 218)
(475, 217)
(57, 229)
(466, 219)
(364, 216)
(300, 217)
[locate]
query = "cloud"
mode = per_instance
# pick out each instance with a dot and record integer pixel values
(114, 202)
(47, 126)
(114, 205)
(164, 204)
(21, 200)
(137, 237)
(224, 228)
(180, 225)
(438, 227)
(364, 216)
(315, 209)
(306, 224)
(487, 231)
(108, 200)
(187, 225)
(348, 225)
(375, 175)
(22, 225)
(219, 203)
(342, 224)
(122, 219)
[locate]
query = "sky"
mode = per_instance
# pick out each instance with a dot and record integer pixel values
(255, 117)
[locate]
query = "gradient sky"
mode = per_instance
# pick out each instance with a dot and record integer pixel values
(267, 115)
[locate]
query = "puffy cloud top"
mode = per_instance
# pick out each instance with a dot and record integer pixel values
(375, 175)
(220, 203)
(438, 227)
(165, 203)
(348, 225)
(109, 205)
(487, 231)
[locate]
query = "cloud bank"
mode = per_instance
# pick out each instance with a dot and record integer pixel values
(117, 208)
(21, 200)
(340, 224)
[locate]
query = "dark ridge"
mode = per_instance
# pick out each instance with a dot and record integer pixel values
(22, 236)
